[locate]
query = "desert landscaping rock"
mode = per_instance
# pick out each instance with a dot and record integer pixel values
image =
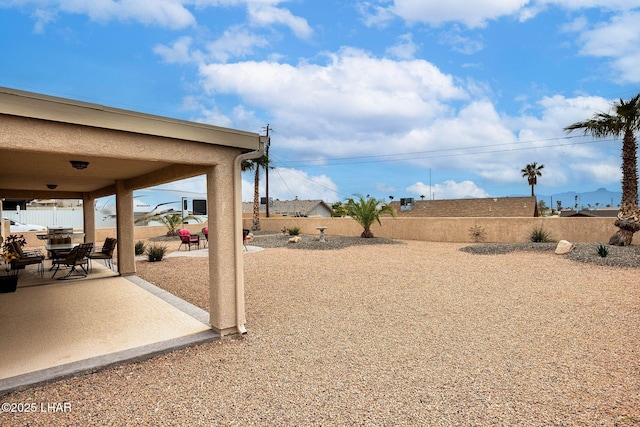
(619, 256)
(412, 333)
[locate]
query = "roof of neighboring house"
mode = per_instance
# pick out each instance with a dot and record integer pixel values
(485, 207)
(598, 213)
(292, 207)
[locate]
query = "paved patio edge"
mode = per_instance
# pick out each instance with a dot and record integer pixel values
(95, 364)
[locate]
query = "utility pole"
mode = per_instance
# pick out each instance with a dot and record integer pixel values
(266, 169)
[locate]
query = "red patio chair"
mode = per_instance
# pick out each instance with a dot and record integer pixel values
(247, 237)
(187, 239)
(205, 232)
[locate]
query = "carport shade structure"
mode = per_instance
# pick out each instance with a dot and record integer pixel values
(41, 135)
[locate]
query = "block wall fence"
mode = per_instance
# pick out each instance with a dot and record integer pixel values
(497, 230)
(457, 230)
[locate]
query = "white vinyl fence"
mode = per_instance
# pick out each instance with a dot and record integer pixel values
(49, 217)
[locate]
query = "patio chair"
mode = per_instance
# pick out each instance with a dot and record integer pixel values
(106, 253)
(78, 257)
(205, 233)
(247, 237)
(187, 239)
(27, 258)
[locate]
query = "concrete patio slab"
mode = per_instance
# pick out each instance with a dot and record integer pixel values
(62, 328)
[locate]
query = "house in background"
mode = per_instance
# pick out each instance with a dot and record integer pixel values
(296, 208)
(484, 207)
(591, 213)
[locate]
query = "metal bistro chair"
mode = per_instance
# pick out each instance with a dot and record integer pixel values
(78, 257)
(106, 253)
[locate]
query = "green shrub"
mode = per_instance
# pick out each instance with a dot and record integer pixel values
(540, 235)
(156, 252)
(294, 231)
(477, 233)
(139, 248)
(603, 251)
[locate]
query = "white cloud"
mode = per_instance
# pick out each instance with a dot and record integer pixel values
(474, 13)
(618, 39)
(374, 15)
(460, 43)
(288, 183)
(405, 48)
(384, 188)
(42, 17)
(164, 13)
(172, 14)
(178, 53)
(356, 105)
(264, 15)
(236, 42)
(447, 190)
(599, 172)
(190, 187)
(352, 93)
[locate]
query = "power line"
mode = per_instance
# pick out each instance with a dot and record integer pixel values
(420, 155)
(382, 158)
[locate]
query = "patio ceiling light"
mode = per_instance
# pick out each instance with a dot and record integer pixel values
(79, 164)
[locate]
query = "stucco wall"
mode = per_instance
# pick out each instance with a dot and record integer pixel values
(501, 230)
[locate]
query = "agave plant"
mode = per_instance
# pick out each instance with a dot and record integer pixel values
(603, 251)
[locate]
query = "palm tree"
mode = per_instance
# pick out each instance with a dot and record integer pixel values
(625, 121)
(170, 220)
(255, 165)
(532, 172)
(366, 211)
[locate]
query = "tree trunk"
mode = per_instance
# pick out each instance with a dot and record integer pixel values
(628, 221)
(256, 200)
(366, 234)
(624, 236)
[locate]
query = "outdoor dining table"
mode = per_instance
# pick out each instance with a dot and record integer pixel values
(56, 249)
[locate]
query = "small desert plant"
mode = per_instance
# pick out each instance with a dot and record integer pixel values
(294, 231)
(139, 247)
(540, 235)
(603, 251)
(155, 252)
(477, 233)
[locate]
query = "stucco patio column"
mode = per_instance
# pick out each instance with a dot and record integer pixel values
(225, 252)
(124, 224)
(89, 218)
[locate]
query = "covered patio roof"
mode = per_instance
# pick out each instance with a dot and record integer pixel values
(42, 136)
(37, 155)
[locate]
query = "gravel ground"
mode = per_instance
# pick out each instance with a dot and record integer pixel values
(626, 256)
(416, 333)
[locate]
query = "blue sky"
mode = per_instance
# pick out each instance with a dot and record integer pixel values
(383, 97)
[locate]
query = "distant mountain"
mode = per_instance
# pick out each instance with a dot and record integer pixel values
(599, 198)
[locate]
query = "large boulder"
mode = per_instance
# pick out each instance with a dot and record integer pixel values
(564, 247)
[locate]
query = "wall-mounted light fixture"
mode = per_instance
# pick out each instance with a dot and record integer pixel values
(79, 164)
(52, 186)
